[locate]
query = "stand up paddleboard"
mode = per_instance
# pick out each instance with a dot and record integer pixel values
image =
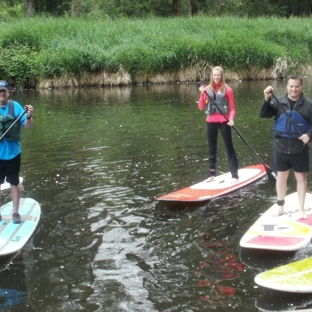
(286, 232)
(293, 277)
(221, 185)
(7, 185)
(14, 236)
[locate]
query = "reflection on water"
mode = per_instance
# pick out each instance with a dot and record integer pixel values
(13, 288)
(95, 161)
(279, 301)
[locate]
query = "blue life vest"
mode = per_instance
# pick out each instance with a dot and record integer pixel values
(14, 135)
(220, 100)
(283, 126)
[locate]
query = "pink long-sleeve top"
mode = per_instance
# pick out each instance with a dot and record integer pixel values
(229, 94)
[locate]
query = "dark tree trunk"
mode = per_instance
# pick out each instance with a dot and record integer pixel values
(177, 7)
(75, 8)
(29, 7)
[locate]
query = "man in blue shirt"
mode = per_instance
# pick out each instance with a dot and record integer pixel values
(10, 146)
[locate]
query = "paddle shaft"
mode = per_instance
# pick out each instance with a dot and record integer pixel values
(269, 171)
(13, 124)
(289, 117)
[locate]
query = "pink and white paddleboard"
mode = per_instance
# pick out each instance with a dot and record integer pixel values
(283, 233)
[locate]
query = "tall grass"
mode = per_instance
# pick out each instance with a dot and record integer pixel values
(57, 47)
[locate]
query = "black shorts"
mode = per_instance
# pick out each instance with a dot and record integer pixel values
(9, 170)
(298, 162)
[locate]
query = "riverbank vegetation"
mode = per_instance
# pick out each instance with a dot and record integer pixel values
(159, 8)
(49, 52)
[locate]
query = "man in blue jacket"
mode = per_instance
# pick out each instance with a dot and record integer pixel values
(292, 130)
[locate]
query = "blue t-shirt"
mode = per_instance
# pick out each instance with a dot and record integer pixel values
(9, 150)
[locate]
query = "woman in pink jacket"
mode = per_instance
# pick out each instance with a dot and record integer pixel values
(221, 95)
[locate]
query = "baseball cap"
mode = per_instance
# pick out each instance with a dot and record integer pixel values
(4, 85)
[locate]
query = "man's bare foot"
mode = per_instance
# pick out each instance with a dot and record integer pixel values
(279, 212)
(302, 214)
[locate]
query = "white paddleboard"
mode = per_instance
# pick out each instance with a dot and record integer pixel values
(286, 232)
(293, 277)
(7, 185)
(14, 236)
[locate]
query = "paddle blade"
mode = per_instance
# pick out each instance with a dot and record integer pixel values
(271, 176)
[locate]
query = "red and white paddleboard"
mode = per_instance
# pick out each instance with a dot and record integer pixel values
(284, 233)
(221, 185)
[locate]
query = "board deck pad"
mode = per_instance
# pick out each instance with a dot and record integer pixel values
(14, 236)
(293, 277)
(221, 185)
(286, 232)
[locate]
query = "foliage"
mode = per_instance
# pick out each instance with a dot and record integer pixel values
(11, 11)
(38, 48)
(160, 8)
(17, 65)
(20, 37)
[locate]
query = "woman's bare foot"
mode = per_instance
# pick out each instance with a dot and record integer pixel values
(210, 179)
(302, 214)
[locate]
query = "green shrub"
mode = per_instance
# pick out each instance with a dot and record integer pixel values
(9, 12)
(299, 43)
(17, 65)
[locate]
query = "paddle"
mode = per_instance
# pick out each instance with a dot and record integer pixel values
(270, 173)
(289, 117)
(13, 124)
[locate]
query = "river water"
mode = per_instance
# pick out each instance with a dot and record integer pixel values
(95, 161)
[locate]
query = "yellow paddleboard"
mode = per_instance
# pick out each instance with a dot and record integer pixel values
(293, 277)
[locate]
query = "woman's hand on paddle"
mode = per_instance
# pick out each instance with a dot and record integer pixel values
(202, 89)
(268, 92)
(231, 123)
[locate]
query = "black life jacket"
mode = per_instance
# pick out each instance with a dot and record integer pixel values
(14, 135)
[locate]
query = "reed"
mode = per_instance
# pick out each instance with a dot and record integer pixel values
(67, 47)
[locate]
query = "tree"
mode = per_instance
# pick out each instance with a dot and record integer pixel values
(177, 7)
(75, 7)
(29, 7)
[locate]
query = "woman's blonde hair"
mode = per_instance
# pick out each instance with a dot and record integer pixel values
(222, 81)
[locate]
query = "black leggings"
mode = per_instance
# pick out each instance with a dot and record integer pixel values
(225, 130)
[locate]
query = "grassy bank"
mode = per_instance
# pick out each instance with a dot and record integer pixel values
(56, 52)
